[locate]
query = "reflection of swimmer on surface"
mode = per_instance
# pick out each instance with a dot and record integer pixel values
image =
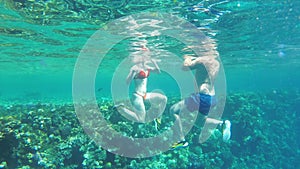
(206, 69)
(139, 73)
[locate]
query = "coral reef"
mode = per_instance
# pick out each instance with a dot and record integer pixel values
(264, 135)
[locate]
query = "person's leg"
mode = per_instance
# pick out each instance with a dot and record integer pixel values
(158, 103)
(206, 103)
(139, 106)
(138, 115)
(211, 124)
(175, 110)
(214, 121)
(130, 115)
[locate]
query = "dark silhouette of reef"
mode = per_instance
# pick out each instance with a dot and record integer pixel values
(265, 134)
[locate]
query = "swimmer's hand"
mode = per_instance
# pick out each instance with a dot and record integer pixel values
(157, 69)
(187, 62)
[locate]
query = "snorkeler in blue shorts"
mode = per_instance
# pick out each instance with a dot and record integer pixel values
(200, 102)
(207, 68)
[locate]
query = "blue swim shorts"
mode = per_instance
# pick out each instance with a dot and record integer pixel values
(200, 102)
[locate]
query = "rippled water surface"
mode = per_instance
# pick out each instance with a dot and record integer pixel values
(258, 41)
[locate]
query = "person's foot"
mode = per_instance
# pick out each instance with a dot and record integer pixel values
(118, 105)
(180, 144)
(157, 123)
(226, 130)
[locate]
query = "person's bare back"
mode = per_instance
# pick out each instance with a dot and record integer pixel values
(206, 69)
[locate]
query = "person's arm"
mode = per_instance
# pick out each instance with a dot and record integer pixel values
(211, 64)
(130, 76)
(190, 62)
(156, 68)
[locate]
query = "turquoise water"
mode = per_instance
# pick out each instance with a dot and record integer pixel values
(258, 42)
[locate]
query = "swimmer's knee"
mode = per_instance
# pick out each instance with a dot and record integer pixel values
(142, 118)
(176, 116)
(176, 108)
(165, 99)
(171, 110)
